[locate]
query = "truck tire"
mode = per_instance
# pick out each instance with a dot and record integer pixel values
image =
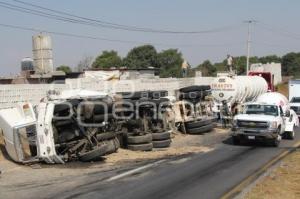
(236, 140)
(140, 139)
(197, 123)
(112, 146)
(200, 130)
(162, 143)
(93, 154)
(141, 147)
(275, 142)
(106, 136)
(290, 135)
(161, 136)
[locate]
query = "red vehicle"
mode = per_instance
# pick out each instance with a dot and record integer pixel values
(269, 77)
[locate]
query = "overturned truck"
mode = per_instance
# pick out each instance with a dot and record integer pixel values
(71, 126)
(192, 111)
(145, 125)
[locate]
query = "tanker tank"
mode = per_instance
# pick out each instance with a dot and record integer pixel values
(238, 89)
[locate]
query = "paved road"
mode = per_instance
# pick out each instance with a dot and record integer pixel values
(202, 176)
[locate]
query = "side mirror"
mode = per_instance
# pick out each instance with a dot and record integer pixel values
(288, 113)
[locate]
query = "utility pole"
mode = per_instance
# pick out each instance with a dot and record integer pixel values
(250, 22)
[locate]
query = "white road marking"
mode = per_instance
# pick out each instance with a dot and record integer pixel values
(131, 172)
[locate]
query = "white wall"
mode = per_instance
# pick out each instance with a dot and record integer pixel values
(14, 93)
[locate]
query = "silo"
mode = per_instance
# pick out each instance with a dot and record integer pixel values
(42, 54)
(27, 64)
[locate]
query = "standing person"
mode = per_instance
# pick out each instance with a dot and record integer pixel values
(230, 63)
(184, 68)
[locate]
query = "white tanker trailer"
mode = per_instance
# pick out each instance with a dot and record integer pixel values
(238, 89)
(230, 92)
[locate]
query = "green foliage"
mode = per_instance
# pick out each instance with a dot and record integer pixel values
(107, 60)
(291, 64)
(207, 68)
(141, 57)
(270, 59)
(64, 68)
(169, 62)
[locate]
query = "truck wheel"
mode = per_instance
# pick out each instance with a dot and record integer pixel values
(290, 135)
(94, 154)
(161, 136)
(197, 123)
(106, 136)
(141, 147)
(276, 141)
(140, 139)
(200, 130)
(236, 140)
(162, 143)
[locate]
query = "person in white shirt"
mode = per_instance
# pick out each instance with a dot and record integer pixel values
(230, 63)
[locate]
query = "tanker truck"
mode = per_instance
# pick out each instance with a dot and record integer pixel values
(268, 119)
(230, 92)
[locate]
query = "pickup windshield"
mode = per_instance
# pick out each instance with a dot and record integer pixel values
(261, 109)
(295, 100)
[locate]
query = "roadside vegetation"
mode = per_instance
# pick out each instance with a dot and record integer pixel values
(169, 61)
(283, 182)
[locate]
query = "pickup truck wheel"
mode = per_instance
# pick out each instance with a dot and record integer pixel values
(290, 135)
(141, 147)
(161, 136)
(94, 154)
(236, 140)
(276, 141)
(141, 139)
(162, 143)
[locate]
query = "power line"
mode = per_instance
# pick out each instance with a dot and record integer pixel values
(96, 22)
(110, 40)
(281, 31)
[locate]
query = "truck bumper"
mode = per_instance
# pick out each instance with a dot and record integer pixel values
(256, 134)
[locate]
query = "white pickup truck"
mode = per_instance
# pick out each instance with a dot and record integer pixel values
(269, 118)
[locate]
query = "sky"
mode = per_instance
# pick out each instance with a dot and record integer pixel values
(276, 31)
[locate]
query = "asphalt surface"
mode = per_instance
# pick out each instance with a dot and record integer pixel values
(208, 175)
(205, 175)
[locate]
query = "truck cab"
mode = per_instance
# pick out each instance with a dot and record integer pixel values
(269, 119)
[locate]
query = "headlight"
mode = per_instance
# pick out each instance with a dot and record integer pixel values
(273, 125)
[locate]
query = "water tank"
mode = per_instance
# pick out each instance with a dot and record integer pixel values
(27, 64)
(42, 54)
(274, 98)
(238, 89)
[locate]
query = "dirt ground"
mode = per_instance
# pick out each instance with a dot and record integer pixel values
(181, 145)
(283, 182)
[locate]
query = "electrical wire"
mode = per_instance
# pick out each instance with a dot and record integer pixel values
(99, 23)
(112, 40)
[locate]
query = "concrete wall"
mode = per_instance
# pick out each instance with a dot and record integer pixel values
(12, 94)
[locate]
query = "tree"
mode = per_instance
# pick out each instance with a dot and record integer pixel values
(85, 63)
(291, 64)
(207, 68)
(107, 60)
(169, 62)
(64, 68)
(141, 57)
(270, 59)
